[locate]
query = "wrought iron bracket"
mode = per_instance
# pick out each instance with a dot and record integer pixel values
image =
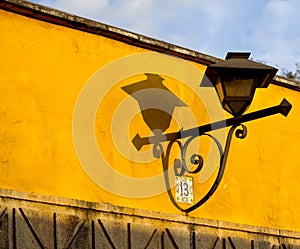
(180, 166)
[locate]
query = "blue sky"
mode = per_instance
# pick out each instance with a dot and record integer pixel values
(269, 29)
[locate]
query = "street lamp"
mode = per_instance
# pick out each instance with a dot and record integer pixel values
(235, 81)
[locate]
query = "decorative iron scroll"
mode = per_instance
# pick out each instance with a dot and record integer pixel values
(180, 165)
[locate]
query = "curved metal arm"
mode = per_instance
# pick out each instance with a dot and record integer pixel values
(240, 133)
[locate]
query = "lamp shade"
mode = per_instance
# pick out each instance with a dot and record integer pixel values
(236, 79)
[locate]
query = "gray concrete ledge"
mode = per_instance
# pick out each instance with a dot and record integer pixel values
(58, 17)
(11, 195)
(288, 83)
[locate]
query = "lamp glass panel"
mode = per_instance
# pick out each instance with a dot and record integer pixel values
(227, 108)
(238, 107)
(220, 90)
(240, 87)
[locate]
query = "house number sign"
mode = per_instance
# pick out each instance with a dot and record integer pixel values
(184, 189)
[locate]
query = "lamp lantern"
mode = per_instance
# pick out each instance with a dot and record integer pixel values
(236, 79)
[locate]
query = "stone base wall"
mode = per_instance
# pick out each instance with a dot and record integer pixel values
(29, 221)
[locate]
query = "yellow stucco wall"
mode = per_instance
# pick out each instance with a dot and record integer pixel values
(43, 70)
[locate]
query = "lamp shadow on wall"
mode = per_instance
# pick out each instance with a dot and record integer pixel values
(156, 102)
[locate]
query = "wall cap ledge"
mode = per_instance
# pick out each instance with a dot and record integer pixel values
(6, 195)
